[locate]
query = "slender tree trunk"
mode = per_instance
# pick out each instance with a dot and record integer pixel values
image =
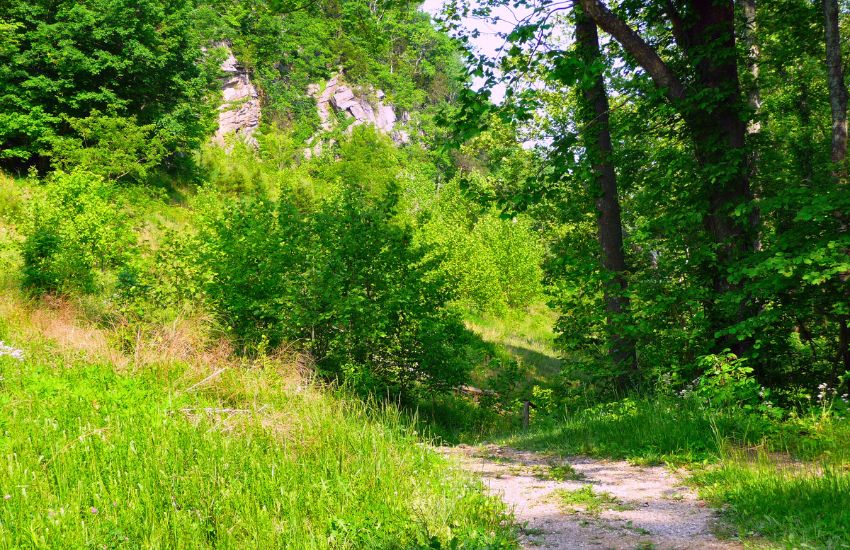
(749, 36)
(837, 88)
(596, 135)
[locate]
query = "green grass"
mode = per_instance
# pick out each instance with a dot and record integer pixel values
(646, 431)
(526, 335)
(98, 456)
(790, 506)
(784, 483)
(587, 500)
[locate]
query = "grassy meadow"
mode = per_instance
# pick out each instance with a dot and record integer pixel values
(176, 444)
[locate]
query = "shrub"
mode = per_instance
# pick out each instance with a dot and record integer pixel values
(112, 146)
(346, 282)
(377, 303)
(254, 252)
(74, 230)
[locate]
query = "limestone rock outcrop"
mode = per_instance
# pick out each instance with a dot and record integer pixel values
(337, 97)
(239, 114)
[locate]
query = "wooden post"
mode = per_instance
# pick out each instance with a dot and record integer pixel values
(526, 409)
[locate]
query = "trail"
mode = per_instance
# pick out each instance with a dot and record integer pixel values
(650, 508)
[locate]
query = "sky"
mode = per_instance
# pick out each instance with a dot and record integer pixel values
(488, 40)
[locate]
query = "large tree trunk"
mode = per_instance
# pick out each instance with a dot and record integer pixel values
(596, 136)
(837, 88)
(719, 132)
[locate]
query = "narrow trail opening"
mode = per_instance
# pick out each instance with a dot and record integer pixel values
(580, 502)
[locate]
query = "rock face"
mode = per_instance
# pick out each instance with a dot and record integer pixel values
(239, 113)
(340, 98)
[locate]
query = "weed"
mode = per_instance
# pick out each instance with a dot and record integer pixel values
(589, 500)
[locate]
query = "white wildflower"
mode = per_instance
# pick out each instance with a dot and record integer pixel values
(9, 351)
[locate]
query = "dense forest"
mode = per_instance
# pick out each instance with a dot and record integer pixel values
(265, 263)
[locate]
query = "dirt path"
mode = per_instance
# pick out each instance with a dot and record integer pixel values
(626, 507)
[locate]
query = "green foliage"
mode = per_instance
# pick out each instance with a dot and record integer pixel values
(68, 59)
(255, 252)
(114, 147)
(344, 280)
(377, 303)
(496, 261)
(74, 231)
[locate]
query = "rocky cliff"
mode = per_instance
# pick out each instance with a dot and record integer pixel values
(239, 114)
(337, 97)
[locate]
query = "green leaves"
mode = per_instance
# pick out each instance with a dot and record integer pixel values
(131, 59)
(74, 233)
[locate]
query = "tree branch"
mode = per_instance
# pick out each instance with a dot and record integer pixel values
(645, 54)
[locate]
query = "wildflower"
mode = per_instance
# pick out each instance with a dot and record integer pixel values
(9, 351)
(7, 497)
(93, 510)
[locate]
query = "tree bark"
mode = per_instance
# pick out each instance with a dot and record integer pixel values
(837, 89)
(596, 134)
(749, 36)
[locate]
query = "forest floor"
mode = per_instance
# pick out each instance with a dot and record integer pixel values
(583, 502)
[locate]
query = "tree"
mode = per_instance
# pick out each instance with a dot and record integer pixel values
(712, 108)
(837, 88)
(127, 58)
(838, 107)
(597, 142)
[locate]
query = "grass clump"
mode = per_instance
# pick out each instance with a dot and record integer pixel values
(587, 500)
(791, 505)
(557, 472)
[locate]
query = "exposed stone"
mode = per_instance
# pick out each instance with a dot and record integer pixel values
(239, 114)
(340, 98)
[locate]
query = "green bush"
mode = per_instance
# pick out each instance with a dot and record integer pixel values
(254, 251)
(114, 147)
(378, 307)
(345, 281)
(74, 231)
(495, 261)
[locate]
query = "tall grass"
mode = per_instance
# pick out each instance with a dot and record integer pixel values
(169, 454)
(646, 430)
(790, 505)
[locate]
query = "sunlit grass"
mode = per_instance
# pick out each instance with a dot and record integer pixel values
(526, 334)
(188, 454)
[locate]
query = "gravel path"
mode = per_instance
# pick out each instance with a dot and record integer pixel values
(646, 508)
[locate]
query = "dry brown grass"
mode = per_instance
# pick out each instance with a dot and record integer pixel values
(72, 334)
